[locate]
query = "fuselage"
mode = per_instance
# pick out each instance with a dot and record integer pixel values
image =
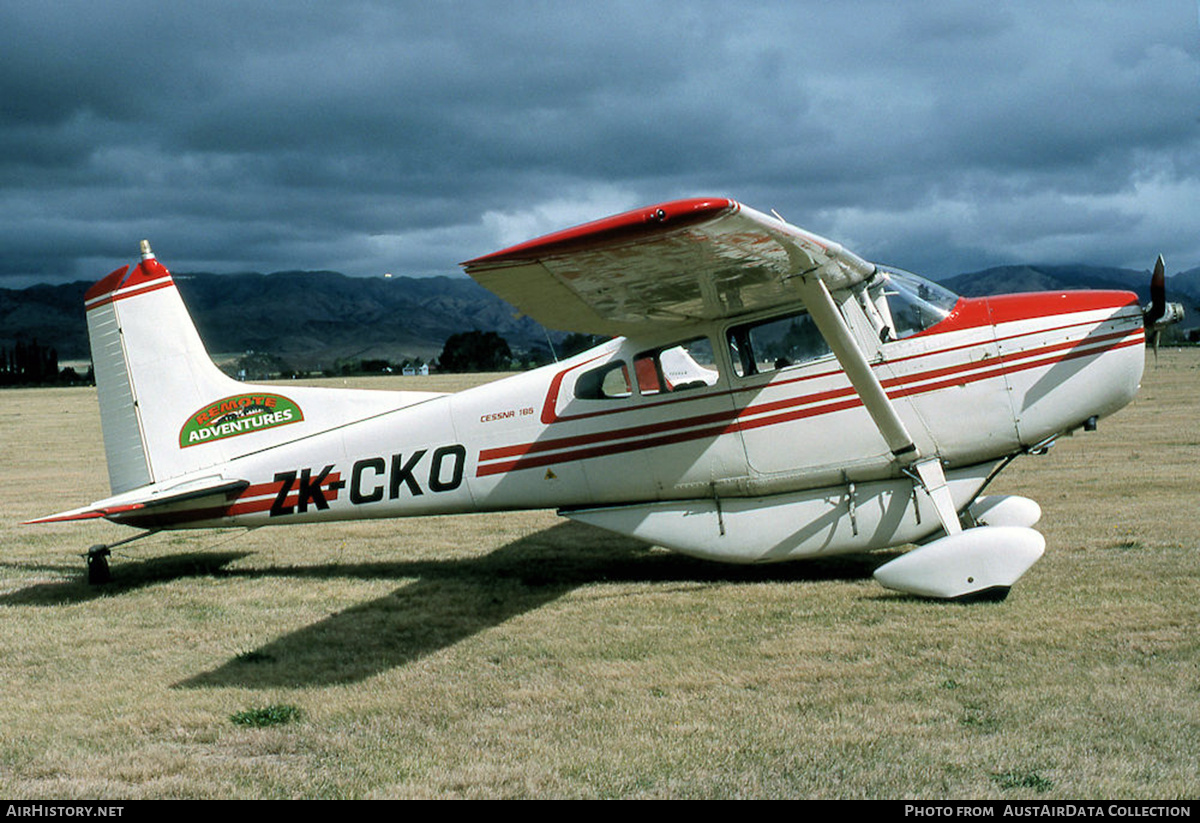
(638, 420)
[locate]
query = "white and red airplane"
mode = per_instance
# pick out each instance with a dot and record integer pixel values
(768, 395)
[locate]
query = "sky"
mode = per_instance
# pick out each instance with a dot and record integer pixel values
(370, 137)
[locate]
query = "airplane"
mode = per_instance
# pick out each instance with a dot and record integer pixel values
(766, 395)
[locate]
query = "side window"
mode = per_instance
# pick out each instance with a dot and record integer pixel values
(768, 345)
(607, 382)
(677, 367)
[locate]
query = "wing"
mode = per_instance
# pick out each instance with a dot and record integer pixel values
(673, 263)
(685, 262)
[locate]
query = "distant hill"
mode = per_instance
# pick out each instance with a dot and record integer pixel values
(1186, 283)
(52, 315)
(1012, 279)
(1183, 287)
(306, 317)
(311, 319)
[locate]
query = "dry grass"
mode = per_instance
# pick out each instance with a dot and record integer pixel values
(518, 656)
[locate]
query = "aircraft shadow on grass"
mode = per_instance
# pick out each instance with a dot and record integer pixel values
(450, 600)
(454, 599)
(133, 575)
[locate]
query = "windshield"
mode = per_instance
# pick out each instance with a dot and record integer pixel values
(913, 302)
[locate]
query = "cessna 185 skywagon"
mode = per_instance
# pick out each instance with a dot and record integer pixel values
(767, 395)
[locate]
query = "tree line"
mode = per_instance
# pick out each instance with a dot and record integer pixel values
(32, 364)
(484, 351)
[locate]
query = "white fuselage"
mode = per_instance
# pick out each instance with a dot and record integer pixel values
(997, 376)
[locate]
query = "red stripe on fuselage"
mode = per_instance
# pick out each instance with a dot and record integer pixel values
(259, 498)
(253, 499)
(815, 404)
(987, 368)
(968, 314)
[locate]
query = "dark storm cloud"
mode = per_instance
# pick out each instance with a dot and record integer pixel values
(372, 137)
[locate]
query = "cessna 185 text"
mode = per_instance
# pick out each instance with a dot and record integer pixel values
(767, 395)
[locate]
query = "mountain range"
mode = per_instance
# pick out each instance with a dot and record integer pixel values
(309, 319)
(313, 319)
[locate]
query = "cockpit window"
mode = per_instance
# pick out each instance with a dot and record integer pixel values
(768, 345)
(911, 303)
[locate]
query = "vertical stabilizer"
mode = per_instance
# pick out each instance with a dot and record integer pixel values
(168, 411)
(151, 370)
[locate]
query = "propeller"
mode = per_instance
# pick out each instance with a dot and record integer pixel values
(1159, 314)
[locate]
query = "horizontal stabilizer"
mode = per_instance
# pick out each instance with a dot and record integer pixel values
(116, 508)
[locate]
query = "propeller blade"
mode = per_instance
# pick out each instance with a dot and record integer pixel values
(1158, 294)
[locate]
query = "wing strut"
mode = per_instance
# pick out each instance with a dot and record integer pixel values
(836, 332)
(833, 327)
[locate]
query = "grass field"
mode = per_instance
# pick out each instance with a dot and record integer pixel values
(521, 656)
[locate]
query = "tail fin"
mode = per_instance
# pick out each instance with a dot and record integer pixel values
(167, 410)
(151, 371)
